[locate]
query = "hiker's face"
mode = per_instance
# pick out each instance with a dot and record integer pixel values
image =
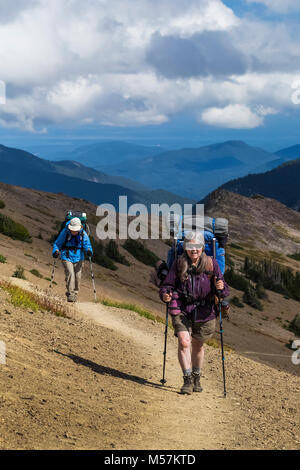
(74, 233)
(194, 250)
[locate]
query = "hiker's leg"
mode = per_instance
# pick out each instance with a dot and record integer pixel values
(70, 278)
(197, 354)
(201, 332)
(184, 350)
(77, 271)
(184, 356)
(197, 363)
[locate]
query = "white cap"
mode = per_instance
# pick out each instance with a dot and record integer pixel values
(75, 225)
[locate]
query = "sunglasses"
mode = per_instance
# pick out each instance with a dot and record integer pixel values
(193, 246)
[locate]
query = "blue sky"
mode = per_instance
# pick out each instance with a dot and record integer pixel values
(171, 72)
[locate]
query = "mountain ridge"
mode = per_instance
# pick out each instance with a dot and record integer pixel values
(24, 169)
(194, 171)
(281, 183)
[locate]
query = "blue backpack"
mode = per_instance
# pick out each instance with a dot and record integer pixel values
(213, 229)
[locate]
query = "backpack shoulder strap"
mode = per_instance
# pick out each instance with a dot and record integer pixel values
(209, 268)
(211, 272)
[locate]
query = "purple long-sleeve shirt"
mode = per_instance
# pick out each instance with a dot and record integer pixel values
(200, 287)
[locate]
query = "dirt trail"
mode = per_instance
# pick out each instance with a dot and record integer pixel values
(172, 421)
(92, 381)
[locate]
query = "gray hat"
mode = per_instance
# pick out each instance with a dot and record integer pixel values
(75, 225)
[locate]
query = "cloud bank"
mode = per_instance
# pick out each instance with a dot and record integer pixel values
(128, 63)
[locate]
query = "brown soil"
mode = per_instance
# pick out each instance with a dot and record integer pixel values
(260, 335)
(92, 381)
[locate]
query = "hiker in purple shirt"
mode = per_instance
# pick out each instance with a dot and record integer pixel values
(190, 288)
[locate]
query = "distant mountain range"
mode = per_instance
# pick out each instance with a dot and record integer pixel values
(77, 170)
(281, 183)
(103, 154)
(183, 175)
(21, 168)
(194, 172)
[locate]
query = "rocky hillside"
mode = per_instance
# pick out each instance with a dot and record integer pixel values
(261, 228)
(259, 222)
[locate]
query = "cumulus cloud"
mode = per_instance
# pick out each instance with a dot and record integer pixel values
(209, 53)
(235, 116)
(126, 63)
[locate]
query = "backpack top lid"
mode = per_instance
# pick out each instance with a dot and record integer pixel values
(80, 215)
(218, 226)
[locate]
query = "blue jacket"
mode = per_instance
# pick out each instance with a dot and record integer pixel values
(79, 245)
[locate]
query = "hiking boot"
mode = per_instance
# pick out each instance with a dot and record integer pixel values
(187, 388)
(196, 379)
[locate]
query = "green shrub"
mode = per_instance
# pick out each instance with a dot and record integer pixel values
(13, 229)
(236, 246)
(229, 261)
(112, 251)
(236, 302)
(294, 325)
(36, 273)
(261, 292)
(140, 252)
(273, 276)
(52, 238)
(19, 272)
(100, 257)
(2, 259)
(295, 256)
(250, 298)
(2, 204)
(57, 225)
(236, 281)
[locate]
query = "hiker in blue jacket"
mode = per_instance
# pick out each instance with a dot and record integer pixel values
(72, 243)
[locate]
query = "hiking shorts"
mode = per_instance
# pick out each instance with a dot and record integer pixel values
(201, 331)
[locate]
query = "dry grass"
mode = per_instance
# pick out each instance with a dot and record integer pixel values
(35, 300)
(134, 308)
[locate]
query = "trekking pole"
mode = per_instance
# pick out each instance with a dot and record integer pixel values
(163, 380)
(52, 275)
(221, 325)
(222, 344)
(93, 278)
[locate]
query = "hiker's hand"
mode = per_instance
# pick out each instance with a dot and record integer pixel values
(219, 285)
(89, 253)
(167, 297)
(56, 254)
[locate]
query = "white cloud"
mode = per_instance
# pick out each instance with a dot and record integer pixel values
(234, 116)
(280, 6)
(88, 62)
